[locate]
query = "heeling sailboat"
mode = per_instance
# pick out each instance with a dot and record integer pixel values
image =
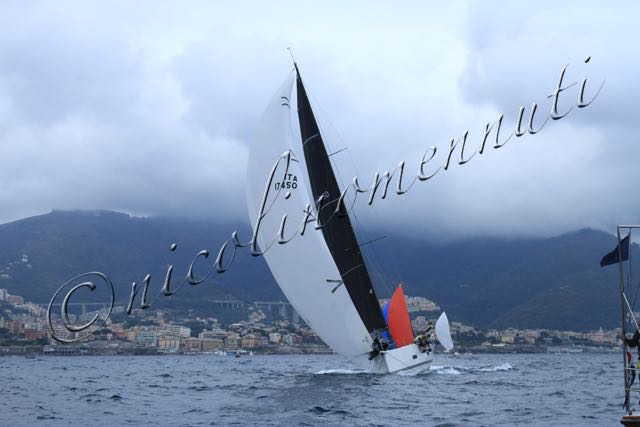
(323, 273)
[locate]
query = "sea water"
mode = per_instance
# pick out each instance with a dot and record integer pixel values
(310, 390)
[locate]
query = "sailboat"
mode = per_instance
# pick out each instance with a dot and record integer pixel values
(312, 252)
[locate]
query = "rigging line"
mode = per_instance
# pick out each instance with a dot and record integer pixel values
(351, 269)
(326, 142)
(356, 222)
(291, 54)
(626, 289)
(630, 316)
(393, 274)
(629, 279)
(374, 259)
(390, 276)
(635, 297)
(630, 311)
(374, 240)
(309, 139)
(637, 291)
(366, 243)
(629, 261)
(336, 152)
(381, 269)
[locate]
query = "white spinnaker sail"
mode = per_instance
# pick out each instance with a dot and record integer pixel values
(443, 333)
(304, 264)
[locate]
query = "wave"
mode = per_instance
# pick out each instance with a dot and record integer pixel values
(457, 370)
(447, 370)
(503, 367)
(340, 372)
(438, 369)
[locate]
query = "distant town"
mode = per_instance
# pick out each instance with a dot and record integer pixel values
(267, 328)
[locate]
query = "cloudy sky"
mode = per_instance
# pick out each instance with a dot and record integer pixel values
(149, 109)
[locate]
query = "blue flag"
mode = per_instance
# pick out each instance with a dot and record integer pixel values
(620, 253)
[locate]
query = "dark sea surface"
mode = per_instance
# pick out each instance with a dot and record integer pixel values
(310, 390)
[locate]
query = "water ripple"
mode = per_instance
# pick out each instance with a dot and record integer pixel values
(576, 389)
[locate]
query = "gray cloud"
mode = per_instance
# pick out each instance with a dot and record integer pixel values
(150, 109)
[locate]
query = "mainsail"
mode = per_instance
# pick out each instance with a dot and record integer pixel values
(322, 274)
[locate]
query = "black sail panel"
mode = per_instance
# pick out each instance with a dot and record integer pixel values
(337, 230)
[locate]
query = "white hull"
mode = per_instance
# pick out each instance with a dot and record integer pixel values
(408, 359)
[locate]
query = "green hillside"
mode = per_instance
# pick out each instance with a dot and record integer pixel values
(525, 283)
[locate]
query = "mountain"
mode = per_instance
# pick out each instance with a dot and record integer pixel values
(63, 244)
(553, 283)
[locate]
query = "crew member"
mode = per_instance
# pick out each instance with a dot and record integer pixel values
(422, 342)
(429, 334)
(376, 347)
(630, 374)
(633, 342)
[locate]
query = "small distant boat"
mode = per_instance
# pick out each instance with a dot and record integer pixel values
(323, 273)
(237, 354)
(220, 352)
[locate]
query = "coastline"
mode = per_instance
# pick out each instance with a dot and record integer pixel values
(33, 351)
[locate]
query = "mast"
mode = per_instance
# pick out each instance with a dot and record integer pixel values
(624, 341)
(337, 229)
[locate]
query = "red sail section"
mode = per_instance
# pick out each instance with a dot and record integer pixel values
(399, 322)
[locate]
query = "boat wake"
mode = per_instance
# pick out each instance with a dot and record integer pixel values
(438, 369)
(457, 370)
(503, 367)
(341, 372)
(445, 370)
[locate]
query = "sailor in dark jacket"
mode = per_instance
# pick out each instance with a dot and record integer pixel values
(376, 347)
(630, 374)
(422, 341)
(633, 342)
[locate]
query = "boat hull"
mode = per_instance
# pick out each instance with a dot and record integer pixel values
(630, 420)
(409, 359)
